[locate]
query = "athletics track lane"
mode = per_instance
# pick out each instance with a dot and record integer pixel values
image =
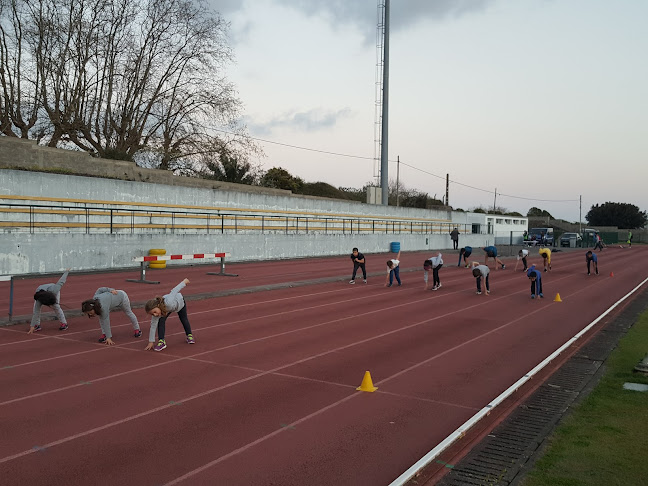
(267, 396)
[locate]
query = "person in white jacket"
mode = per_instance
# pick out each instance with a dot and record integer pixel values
(435, 264)
(160, 308)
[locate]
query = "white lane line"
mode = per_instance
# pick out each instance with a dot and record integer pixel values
(458, 433)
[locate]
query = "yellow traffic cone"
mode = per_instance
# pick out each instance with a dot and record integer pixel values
(367, 384)
(557, 299)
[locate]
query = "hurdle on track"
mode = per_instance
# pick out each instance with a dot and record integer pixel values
(196, 256)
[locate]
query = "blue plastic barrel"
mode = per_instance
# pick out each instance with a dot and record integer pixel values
(395, 246)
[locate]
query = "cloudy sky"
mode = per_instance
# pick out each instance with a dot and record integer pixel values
(541, 99)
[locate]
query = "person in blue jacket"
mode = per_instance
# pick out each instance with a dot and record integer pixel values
(465, 252)
(591, 257)
(536, 281)
(491, 252)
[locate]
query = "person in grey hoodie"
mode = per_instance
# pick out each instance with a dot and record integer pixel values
(50, 295)
(104, 301)
(160, 308)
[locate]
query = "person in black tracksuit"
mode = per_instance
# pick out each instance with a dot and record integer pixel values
(358, 262)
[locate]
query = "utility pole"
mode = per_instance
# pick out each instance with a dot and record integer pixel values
(580, 213)
(384, 152)
(447, 189)
(495, 200)
(398, 181)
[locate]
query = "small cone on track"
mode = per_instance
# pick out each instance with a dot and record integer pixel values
(611, 274)
(557, 299)
(367, 384)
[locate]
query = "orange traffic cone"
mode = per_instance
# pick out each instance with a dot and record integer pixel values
(367, 384)
(557, 299)
(611, 274)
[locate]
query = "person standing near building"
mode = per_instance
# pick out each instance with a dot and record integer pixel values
(454, 235)
(358, 262)
(629, 239)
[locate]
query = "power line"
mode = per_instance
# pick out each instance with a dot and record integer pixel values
(402, 163)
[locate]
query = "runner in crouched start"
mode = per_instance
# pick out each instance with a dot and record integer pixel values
(545, 253)
(105, 301)
(49, 295)
(393, 270)
(522, 255)
(465, 252)
(479, 272)
(160, 308)
(536, 281)
(434, 264)
(591, 257)
(491, 252)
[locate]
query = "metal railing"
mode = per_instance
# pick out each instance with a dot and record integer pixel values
(42, 218)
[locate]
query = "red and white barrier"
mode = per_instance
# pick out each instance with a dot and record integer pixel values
(194, 256)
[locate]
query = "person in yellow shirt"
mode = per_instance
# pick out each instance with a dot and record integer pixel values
(545, 253)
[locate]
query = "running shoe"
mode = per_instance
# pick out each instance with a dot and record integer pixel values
(190, 339)
(503, 267)
(102, 339)
(435, 287)
(160, 345)
(488, 292)
(352, 282)
(137, 333)
(533, 296)
(541, 296)
(38, 328)
(439, 286)
(365, 280)
(478, 292)
(63, 327)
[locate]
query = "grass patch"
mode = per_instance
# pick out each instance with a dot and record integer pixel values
(605, 439)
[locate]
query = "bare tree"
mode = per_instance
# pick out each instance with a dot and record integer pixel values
(132, 78)
(19, 78)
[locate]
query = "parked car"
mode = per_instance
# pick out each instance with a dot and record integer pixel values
(541, 236)
(566, 238)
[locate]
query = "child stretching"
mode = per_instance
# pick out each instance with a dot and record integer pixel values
(491, 252)
(105, 301)
(50, 295)
(160, 308)
(434, 263)
(522, 255)
(479, 272)
(536, 281)
(546, 257)
(466, 251)
(393, 271)
(591, 257)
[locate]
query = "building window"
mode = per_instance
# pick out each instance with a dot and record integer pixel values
(499, 220)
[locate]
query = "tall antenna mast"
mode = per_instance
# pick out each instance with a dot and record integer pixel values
(380, 35)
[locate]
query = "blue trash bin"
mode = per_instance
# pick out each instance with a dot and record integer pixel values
(395, 246)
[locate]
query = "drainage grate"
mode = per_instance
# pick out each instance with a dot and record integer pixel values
(501, 458)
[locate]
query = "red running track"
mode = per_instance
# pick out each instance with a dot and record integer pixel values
(80, 287)
(267, 395)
